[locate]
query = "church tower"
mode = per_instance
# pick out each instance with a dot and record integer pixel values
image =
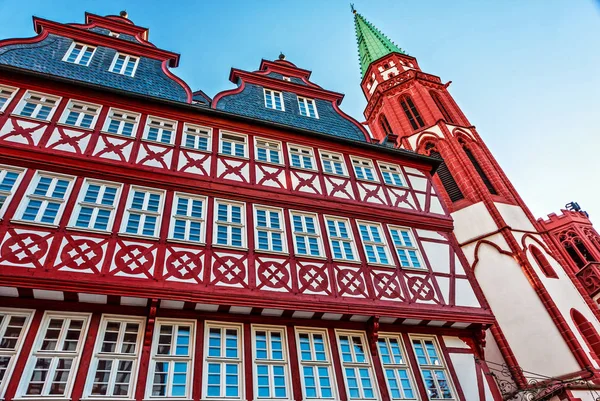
(546, 322)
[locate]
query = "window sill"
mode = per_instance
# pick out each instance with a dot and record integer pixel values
(88, 230)
(415, 269)
(256, 161)
(37, 120)
(59, 124)
(186, 242)
(208, 151)
(234, 156)
(158, 142)
(336, 175)
(257, 252)
(39, 398)
(34, 223)
(368, 181)
(381, 265)
(312, 257)
(312, 170)
(139, 236)
(338, 261)
(236, 248)
(119, 135)
(396, 186)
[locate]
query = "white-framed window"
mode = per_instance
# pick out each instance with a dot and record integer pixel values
(271, 368)
(170, 373)
(142, 214)
(37, 105)
(188, 218)
(196, 137)
(268, 151)
(340, 238)
(10, 178)
(114, 367)
(374, 243)
(160, 130)
(233, 145)
(356, 366)
(51, 367)
(45, 198)
(301, 157)
(269, 229)
(79, 53)
(306, 233)
(308, 107)
(223, 358)
(14, 324)
(406, 247)
(364, 170)
(392, 175)
(333, 163)
(274, 100)
(124, 64)
(80, 114)
(230, 224)
(396, 369)
(121, 122)
(316, 369)
(6, 95)
(432, 367)
(96, 205)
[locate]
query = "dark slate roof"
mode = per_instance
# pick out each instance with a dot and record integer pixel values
(250, 102)
(122, 36)
(295, 80)
(46, 57)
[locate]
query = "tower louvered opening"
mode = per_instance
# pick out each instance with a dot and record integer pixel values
(480, 171)
(448, 181)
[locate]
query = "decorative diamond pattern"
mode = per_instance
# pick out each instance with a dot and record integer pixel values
(26, 249)
(81, 254)
(387, 286)
(350, 282)
(273, 274)
(229, 270)
(134, 260)
(184, 265)
(313, 279)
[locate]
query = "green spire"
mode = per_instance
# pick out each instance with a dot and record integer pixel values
(372, 44)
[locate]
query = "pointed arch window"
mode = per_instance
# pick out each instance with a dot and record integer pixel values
(542, 262)
(588, 332)
(441, 106)
(385, 125)
(575, 248)
(479, 169)
(448, 181)
(412, 113)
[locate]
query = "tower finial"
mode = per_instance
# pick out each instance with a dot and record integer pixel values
(124, 14)
(352, 8)
(281, 56)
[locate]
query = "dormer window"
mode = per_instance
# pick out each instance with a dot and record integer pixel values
(80, 54)
(124, 64)
(308, 107)
(274, 100)
(288, 79)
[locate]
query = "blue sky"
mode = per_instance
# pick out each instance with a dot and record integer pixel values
(524, 72)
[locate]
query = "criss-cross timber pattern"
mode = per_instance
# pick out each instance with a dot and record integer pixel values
(184, 265)
(350, 282)
(270, 176)
(233, 170)
(273, 274)
(372, 193)
(194, 163)
(113, 148)
(387, 286)
(401, 198)
(314, 279)
(68, 140)
(25, 248)
(84, 255)
(133, 259)
(229, 270)
(155, 156)
(339, 187)
(306, 182)
(421, 289)
(20, 131)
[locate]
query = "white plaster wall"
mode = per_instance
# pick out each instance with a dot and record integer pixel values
(586, 395)
(472, 221)
(464, 366)
(514, 216)
(522, 316)
(434, 131)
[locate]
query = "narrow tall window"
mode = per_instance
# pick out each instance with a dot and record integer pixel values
(121, 122)
(9, 180)
(385, 125)
(392, 175)
(356, 365)
(433, 370)
(268, 151)
(340, 238)
(170, 373)
(333, 163)
(542, 262)
(316, 369)
(116, 356)
(575, 247)
(395, 366)
(142, 213)
(223, 361)
(448, 181)
(233, 145)
(307, 239)
(45, 198)
(50, 370)
(124, 64)
(588, 332)
(406, 248)
(414, 118)
(480, 170)
(160, 130)
(96, 205)
(270, 363)
(374, 243)
(80, 54)
(364, 169)
(80, 114)
(230, 224)
(270, 235)
(301, 157)
(38, 105)
(274, 100)
(441, 106)
(13, 328)
(6, 95)
(307, 107)
(196, 137)
(187, 220)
